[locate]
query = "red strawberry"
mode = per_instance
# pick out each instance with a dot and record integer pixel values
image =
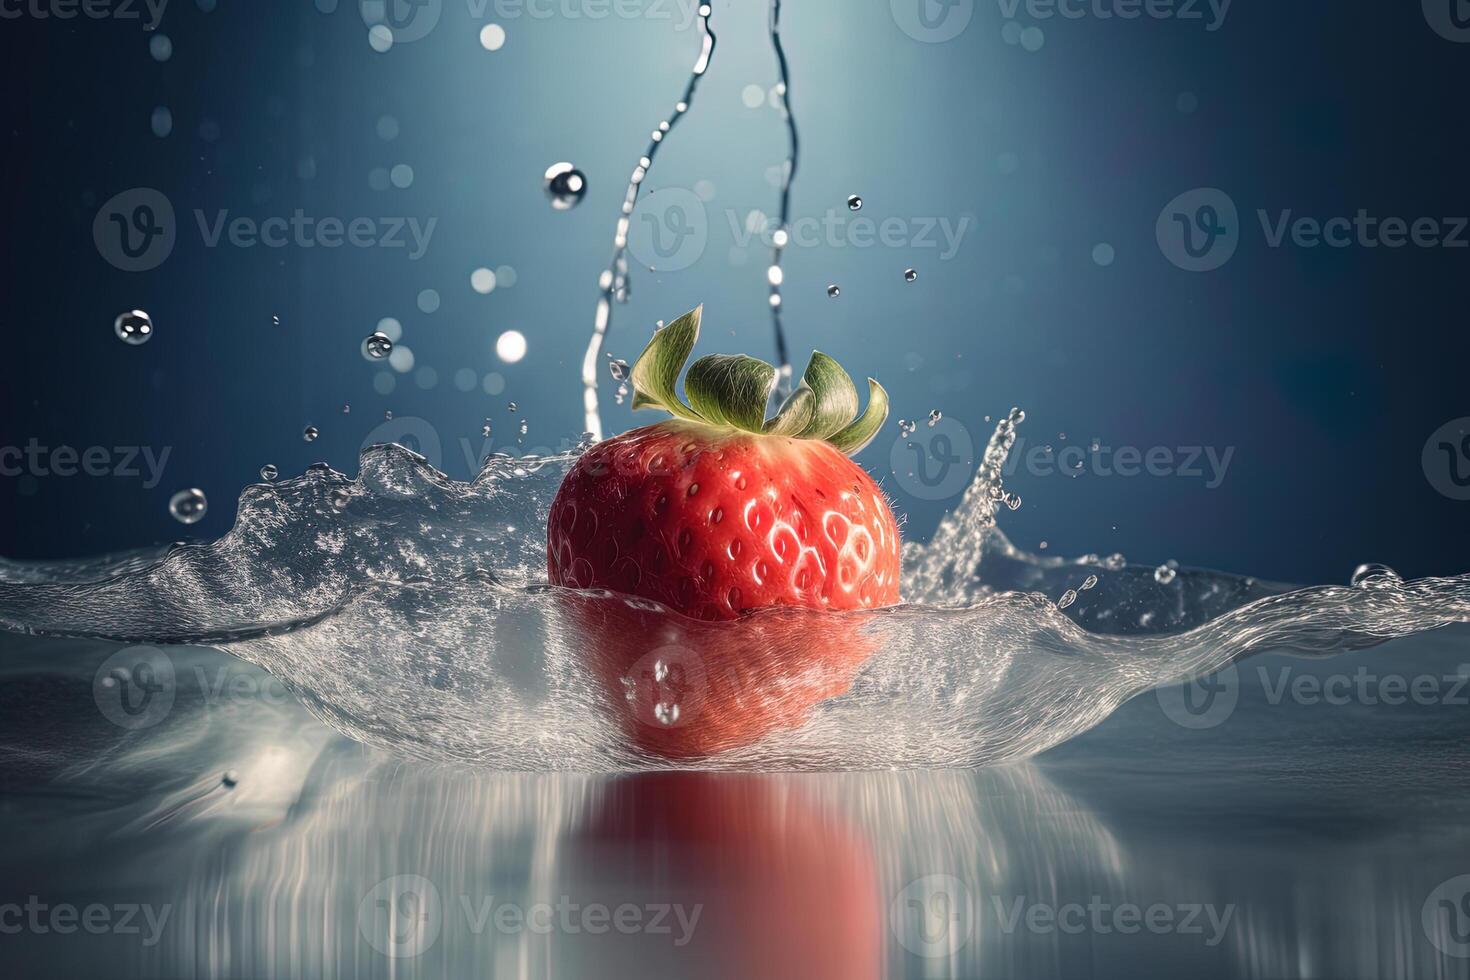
(715, 513)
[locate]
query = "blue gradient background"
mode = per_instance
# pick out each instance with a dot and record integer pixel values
(1325, 369)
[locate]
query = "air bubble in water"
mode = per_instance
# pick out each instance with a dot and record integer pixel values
(1372, 576)
(485, 429)
(310, 433)
(524, 427)
(618, 369)
(934, 417)
(230, 779)
(378, 345)
(1165, 574)
(188, 506)
(909, 275)
(133, 327)
(1068, 597)
(511, 407)
(1089, 583)
(854, 203)
(565, 185)
(340, 499)
(905, 427)
(834, 291)
(269, 472)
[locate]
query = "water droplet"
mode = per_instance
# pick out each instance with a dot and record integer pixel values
(269, 472)
(854, 203)
(910, 275)
(1374, 576)
(619, 370)
(1165, 574)
(310, 433)
(188, 506)
(378, 345)
(565, 185)
(834, 291)
(1068, 597)
(934, 417)
(133, 327)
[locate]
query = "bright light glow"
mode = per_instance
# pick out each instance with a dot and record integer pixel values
(511, 346)
(492, 37)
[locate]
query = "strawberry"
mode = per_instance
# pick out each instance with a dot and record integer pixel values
(719, 511)
(714, 514)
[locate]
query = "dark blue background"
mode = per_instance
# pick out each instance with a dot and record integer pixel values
(1326, 369)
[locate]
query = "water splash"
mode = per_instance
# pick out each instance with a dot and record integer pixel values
(417, 618)
(613, 283)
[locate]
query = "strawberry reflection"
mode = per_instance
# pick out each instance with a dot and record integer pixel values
(781, 885)
(684, 688)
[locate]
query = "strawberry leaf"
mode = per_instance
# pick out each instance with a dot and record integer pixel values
(656, 372)
(795, 415)
(852, 439)
(834, 397)
(731, 389)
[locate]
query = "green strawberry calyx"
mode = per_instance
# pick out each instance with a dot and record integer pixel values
(733, 390)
